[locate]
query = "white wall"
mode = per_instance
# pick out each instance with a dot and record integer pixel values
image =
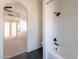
(1, 36)
(67, 28)
(1, 30)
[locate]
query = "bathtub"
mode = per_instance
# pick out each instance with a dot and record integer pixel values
(52, 54)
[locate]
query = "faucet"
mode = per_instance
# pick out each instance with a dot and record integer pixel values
(56, 43)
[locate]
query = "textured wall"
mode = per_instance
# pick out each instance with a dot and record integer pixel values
(68, 29)
(64, 27)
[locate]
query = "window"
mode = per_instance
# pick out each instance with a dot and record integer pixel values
(7, 29)
(10, 29)
(13, 28)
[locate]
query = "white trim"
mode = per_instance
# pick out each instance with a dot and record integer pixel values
(33, 50)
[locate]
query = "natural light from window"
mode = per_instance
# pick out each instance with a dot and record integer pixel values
(13, 27)
(7, 29)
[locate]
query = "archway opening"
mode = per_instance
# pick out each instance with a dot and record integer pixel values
(15, 29)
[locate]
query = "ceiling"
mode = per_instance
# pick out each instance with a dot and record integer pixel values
(17, 9)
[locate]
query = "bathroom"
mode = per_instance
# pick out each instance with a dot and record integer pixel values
(51, 24)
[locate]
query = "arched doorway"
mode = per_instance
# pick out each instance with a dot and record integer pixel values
(15, 29)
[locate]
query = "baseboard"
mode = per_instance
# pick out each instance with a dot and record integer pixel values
(28, 51)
